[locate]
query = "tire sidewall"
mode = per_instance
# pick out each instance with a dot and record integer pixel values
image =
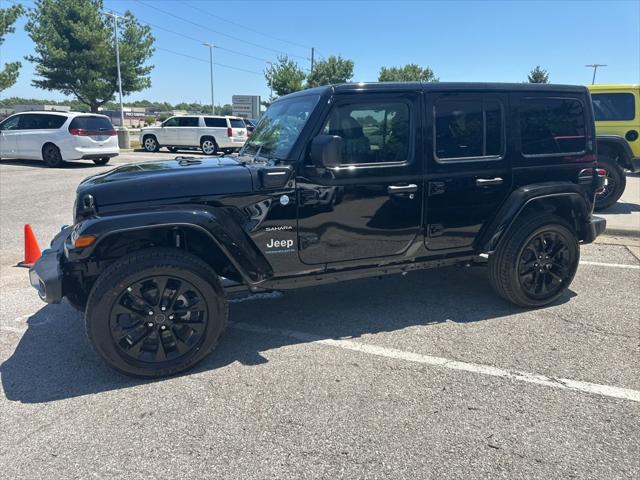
(155, 141)
(108, 289)
(615, 171)
(215, 145)
(572, 243)
(54, 151)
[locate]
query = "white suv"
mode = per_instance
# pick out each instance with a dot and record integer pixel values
(56, 137)
(206, 132)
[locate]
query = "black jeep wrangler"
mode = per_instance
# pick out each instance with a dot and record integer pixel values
(336, 183)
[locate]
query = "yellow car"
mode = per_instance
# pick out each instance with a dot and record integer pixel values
(617, 113)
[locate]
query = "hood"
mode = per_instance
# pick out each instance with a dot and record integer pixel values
(149, 181)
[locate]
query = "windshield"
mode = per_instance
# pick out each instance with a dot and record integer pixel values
(279, 127)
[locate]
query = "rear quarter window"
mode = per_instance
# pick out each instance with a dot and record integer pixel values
(609, 107)
(237, 123)
(91, 124)
(552, 126)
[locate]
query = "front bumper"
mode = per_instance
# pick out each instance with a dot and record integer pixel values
(594, 227)
(46, 274)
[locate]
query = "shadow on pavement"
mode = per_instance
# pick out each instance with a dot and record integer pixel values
(54, 360)
(41, 164)
(621, 208)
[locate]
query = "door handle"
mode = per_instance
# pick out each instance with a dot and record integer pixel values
(487, 182)
(412, 187)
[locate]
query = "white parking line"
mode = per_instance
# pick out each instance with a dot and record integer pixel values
(611, 265)
(562, 383)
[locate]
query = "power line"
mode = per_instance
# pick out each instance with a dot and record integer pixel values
(238, 39)
(245, 26)
(207, 61)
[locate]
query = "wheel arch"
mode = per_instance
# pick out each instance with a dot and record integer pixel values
(564, 199)
(45, 145)
(615, 147)
(217, 239)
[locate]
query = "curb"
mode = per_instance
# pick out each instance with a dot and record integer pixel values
(622, 232)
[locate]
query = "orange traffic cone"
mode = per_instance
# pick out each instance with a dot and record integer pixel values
(31, 249)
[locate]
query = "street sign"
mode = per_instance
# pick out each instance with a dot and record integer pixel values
(245, 106)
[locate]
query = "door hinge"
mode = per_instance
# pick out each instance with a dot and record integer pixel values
(435, 230)
(436, 188)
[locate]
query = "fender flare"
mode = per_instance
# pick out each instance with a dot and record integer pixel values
(514, 206)
(620, 143)
(219, 225)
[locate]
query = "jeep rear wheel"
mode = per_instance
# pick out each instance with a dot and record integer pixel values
(615, 182)
(150, 143)
(536, 262)
(156, 313)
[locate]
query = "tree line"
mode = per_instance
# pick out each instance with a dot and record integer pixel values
(75, 54)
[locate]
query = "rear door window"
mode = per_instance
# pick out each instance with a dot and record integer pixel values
(92, 124)
(552, 126)
(29, 122)
(188, 122)
(609, 107)
(470, 128)
(237, 123)
(51, 121)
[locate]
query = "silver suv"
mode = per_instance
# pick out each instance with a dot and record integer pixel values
(209, 133)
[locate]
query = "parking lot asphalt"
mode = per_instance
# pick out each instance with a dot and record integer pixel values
(430, 375)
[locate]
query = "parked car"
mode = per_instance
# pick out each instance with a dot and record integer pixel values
(336, 183)
(617, 114)
(208, 133)
(57, 137)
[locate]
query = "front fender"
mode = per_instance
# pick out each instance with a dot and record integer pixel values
(521, 198)
(219, 224)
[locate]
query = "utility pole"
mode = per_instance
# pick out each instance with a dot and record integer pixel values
(211, 47)
(115, 32)
(595, 69)
(313, 51)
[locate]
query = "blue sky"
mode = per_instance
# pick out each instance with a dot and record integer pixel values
(459, 40)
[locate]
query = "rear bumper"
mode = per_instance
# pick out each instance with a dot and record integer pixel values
(93, 156)
(85, 153)
(46, 274)
(595, 227)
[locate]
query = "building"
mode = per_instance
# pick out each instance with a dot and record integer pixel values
(41, 108)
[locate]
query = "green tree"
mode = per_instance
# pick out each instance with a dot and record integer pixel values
(75, 50)
(538, 75)
(330, 71)
(224, 109)
(8, 16)
(409, 73)
(284, 76)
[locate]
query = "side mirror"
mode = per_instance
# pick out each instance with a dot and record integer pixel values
(326, 151)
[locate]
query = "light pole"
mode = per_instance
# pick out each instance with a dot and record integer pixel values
(211, 47)
(115, 32)
(595, 69)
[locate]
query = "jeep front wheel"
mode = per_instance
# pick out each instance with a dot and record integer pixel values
(536, 262)
(615, 182)
(150, 143)
(156, 313)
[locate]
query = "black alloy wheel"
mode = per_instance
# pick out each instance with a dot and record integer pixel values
(158, 319)
(545, 265)
(51, 156)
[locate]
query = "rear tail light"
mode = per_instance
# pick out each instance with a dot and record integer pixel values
(229, 132)
(81, 132)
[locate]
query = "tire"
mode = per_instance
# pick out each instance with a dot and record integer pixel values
(616, 182)
(51, 156)
(150, 144)
(140, 344)
(172, 149)
(516, 270)
(208, 146)
(101, 161)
